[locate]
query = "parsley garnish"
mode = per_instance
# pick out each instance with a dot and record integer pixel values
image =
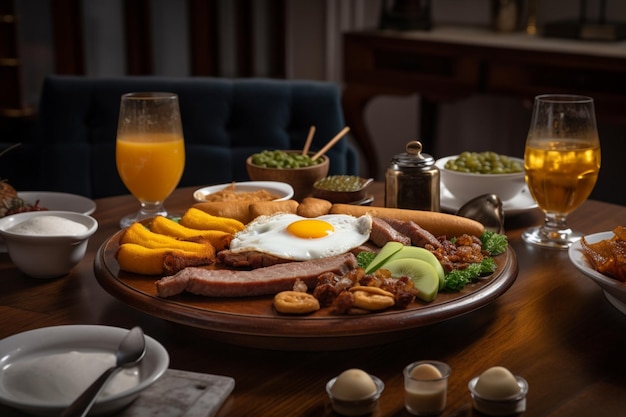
(458, 278)
(494, 244)
(364, 258)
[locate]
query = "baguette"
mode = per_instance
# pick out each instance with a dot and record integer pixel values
(238, 210)
(439, 224)
(267, 208)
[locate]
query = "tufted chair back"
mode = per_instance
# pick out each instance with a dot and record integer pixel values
(224, 121)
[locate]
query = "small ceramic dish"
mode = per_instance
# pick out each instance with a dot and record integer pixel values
(59, 201)
(50, 253)
(514, 404)
(35, 363)
(464, 185)
(281, 190)
(342, 188)
(355, 407)
(614, 290)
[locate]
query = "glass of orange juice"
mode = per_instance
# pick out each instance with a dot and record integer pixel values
(561, 160)
(150, 150)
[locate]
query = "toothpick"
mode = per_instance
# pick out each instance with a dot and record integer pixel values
(309, 139)
(331, 143)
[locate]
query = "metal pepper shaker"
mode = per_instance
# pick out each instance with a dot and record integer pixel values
(412, 180)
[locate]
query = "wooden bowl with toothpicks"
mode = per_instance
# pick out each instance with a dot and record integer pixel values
(300, 178)
(300, 169)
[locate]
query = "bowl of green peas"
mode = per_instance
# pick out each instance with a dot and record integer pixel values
(471, 174)
(299, 171)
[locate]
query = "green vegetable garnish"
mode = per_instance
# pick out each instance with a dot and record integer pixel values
(494, 244)
(364, 258)
(458, 278)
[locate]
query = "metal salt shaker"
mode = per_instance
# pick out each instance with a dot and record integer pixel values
(412, 180)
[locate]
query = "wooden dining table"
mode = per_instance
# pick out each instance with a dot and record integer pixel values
(553, 326)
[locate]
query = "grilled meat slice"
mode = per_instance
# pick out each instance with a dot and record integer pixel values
(419, 236)
(250, 259)
(382, 232)
(260, 281)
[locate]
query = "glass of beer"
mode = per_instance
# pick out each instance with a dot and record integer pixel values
(562, 160)
(150, 150)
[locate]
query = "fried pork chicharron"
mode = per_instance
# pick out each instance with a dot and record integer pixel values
(608, 256)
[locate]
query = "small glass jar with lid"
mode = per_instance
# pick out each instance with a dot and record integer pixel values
(412, 180)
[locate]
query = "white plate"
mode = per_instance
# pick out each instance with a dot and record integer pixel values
(521, 203)
(614, 290)
(24, 349)
(59, 201)
(284, 190)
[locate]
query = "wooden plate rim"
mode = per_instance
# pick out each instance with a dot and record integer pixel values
(267, 323)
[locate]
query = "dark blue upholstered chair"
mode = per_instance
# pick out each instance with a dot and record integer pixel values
(224, 121)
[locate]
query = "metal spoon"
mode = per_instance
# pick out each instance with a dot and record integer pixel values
(130, 351)
(486, 209)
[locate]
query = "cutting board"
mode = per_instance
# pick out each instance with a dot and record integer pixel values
(182, 394)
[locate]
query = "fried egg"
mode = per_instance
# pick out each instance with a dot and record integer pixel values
(289, 236)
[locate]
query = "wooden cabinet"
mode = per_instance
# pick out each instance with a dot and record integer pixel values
(450, 63)
(10, 69)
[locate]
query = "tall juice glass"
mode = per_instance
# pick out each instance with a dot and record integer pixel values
(562, 160)
(150, 150)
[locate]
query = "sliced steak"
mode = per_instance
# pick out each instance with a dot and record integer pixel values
(250, 259)
(382, 232)
(419, 236)
(261, 281)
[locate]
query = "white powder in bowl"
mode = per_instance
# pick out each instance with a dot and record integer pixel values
(48, 226)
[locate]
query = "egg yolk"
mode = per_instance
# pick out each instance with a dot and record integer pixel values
(310, 229)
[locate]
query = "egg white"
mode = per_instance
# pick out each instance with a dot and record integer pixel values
(268, 234)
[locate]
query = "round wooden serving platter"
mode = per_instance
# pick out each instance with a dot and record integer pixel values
(254, 322)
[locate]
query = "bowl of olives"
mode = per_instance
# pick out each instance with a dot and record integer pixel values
(471, 174)
(299, 171)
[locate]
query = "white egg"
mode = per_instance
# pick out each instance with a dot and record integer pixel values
(353, 385)
(298, 238)
(497, 383)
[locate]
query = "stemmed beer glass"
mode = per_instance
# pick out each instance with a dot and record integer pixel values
(562, 160)
(150, 150)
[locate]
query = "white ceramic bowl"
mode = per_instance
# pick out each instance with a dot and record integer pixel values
(465, 186)
(51, 200)
(283, 190)
(614, 290)
(47, 256)
(20, 361)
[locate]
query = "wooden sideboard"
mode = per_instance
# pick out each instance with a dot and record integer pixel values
(451, 63)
